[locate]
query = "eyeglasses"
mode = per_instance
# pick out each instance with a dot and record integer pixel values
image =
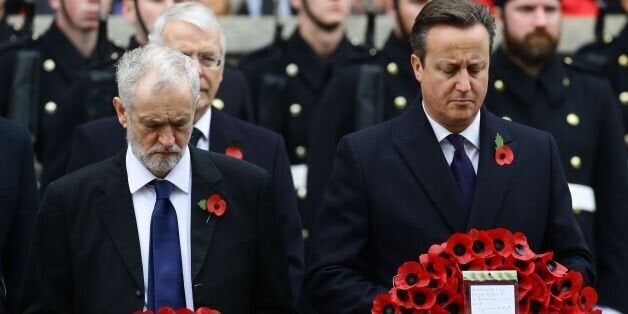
(206, 60)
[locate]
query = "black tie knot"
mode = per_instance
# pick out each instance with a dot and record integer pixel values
(163, 188)
(457, 140)
(196, 135)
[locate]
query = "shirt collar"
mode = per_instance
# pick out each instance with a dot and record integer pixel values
(138, 176)
(204, 122)
(471, 133)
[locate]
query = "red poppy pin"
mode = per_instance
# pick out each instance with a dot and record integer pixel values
(234, 151)
(503, 153)
(214, 204)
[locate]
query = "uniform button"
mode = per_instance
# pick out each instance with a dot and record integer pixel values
(50, 107)
(623, 98)
(400, 102)
(292, 69)
(392, 68)
(218, 103)
(575, 162)
(568, 60)
(626, 139)
(305, 233)
(300, 151)
(573, 119)
(49, 65)
(302, 192)
(114, 56)
(499, 85)
(577, 211)
(373, 52)
(295, 109)
(623, 60)
(608, 38)
(566, 82)
(18, 27)
(139, 292)
(507, 118)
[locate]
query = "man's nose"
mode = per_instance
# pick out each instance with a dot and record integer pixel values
(463, 84)
(166, 137)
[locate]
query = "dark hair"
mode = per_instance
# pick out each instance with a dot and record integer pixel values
(457, 13)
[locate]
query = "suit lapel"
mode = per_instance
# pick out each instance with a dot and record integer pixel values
(223, 133)
(116, 211)
(417, 144)
(205, 177)
(493, 180)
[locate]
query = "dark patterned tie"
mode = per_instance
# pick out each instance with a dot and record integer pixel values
(165, 275)
(196, 135)
(462, 168)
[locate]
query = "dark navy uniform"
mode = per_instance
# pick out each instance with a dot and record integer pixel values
(611, 57)
(287, 80)
(581, 112)
(9, 34)
(63, 96)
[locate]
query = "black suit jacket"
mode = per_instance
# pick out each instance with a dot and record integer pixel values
(392, 194)
(85, 256)
(101, 139)
(18, 206)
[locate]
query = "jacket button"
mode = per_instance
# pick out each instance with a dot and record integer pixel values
(218, 103)
(623, 98)
(575, 162)
(295, 109)
(573, 119)
(507, 118)
(626, 139)
(139, 292)
(292, 70)
(50, 107)
(568, 60)
(499, 85)
(623, 60)
(566, 81)
(400, 102)
(302, 192)
(300, 151)
(305, 233)
(49, 65)
(392, 68)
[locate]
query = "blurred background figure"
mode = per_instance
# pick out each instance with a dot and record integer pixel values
(363, 6)
(279, 8)
(570, 7)
(532, 85)
(609, 54)
(142, 14)
(18, 206)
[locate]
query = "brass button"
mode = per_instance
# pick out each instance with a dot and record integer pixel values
(295, 109)
(292, 69)
(114, 56)
(573, 119)
(300, 151)
(608, 38)
(575, 162)
(50, 107)
(400, 102)
(372, 52)
(626, 139)
(623, 98)
(499, 85)
(218, 103)
(568, 60)
(507, 118)
(566, 81)
(623, 60)
(49, 65)
(18, 27)
(577, 211)
(302, 192)
(305, 233)
(392, 68)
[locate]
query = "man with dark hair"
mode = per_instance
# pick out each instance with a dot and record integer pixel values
(532, 85)
(410, 182)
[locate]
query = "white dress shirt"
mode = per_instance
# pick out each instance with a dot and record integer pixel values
(203, 125)
(144, 198)
(471, 135)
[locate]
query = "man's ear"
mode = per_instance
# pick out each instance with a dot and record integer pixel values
(417, 67)
(120, 111)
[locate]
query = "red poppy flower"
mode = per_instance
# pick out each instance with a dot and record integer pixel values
(495, 262)
(521, 249)
(445, 296)
(216, 205)
(166, 310)
(422, 298)
(482, 246)
(400, 297)
(524, 267)
(503, 241)
(459, 247)
(184, 311)
(234, 151)
(206, 310)
(144, 312)
(549, 269)
(567, 286)
(456, 306)
(411, 274)
(504, 155)
(382, 304)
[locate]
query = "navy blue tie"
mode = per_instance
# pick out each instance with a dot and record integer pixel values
(462, 168)
(165, 275)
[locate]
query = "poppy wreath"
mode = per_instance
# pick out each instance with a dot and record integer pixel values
(433, 283)
(169, 310)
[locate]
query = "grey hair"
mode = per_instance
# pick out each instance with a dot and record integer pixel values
(190, 12)
(456, 13)
(172, 68)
